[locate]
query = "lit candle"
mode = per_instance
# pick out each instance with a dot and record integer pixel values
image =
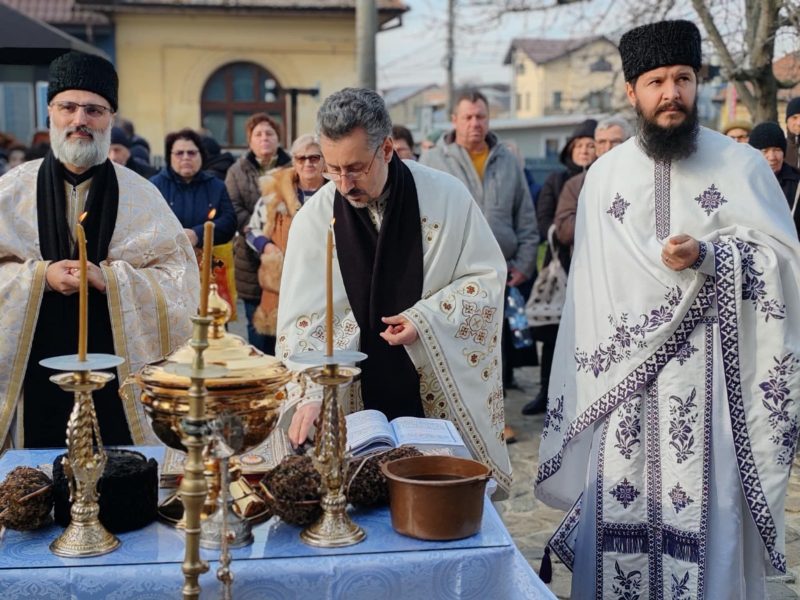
(329, 294)
(83, 292)
(205, 276)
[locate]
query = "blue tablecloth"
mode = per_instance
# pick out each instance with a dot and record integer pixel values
(276, 566)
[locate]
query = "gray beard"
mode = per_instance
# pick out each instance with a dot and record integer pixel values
(80, 153)
(361, 204)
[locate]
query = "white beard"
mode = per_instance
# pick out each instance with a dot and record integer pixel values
(80, 153)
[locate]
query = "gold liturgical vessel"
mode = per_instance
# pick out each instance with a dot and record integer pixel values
(334, 528)
(215, 376)
(86, 458)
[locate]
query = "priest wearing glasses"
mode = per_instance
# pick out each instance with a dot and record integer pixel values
(417, 284)
(142, 274)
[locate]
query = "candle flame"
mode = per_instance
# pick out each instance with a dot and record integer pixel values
(82, 217)
(211, 213)
(333, 221)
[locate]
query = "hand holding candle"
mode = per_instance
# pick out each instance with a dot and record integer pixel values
(329, 293)
(83, 291)
(205, 275)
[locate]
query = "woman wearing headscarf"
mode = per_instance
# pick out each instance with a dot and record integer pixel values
(578, 154)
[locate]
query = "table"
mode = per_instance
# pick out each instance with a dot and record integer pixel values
(277, 566)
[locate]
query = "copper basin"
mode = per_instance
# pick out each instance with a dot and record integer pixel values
(436, 497)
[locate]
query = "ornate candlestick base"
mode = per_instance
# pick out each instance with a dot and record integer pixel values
(86, 457)
(334, 528)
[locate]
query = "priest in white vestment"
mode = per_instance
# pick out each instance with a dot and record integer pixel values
(673, 408)
(417, 285)
(142, 275)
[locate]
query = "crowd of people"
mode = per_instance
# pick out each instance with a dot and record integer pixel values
(681, 248)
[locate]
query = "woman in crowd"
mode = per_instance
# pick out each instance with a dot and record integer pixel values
(577, 155)
(192, 194)
(265, 153)
(284, 191)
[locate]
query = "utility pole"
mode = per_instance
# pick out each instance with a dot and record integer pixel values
(366, 30)
(450, 55)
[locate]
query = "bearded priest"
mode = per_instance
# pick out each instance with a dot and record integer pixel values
(142, 274)
(673, 410)
(417, 284)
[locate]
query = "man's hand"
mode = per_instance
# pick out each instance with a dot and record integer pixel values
(271, 248)
(64, 276)
(193, 240)
(302, 421)
(515, 277)
(94, 276)
(680, 252)
(400, 331)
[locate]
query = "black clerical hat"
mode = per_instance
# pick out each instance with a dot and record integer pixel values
(79, 71)
(659, 45)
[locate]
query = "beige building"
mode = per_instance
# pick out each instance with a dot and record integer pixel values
(556, 77)
(212, 63)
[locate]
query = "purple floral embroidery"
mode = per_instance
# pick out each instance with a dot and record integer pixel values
(627, 335)
(626, 585)
(754, 288)
(618, 207)
(629, 427)
(682, 418)
(710, 200)
(777, 401)
(680, 588)
(685, 352)
(624, 493)
(554, 415)
(680, 499)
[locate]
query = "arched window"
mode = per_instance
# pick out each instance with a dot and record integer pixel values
(233, 93)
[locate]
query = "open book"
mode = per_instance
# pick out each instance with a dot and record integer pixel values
(369, 430)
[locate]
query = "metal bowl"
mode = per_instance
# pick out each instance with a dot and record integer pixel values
(255, 399)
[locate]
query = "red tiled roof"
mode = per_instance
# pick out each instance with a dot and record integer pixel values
(57, 12)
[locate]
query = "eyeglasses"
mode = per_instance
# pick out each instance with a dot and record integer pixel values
(93, 111)
(352, 175)
(189, 153)
(312, 158)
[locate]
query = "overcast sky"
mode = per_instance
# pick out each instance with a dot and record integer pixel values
(414, 53)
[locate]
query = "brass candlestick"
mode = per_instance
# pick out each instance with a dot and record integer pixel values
(86, 457)
(193, 486)
(334, 528)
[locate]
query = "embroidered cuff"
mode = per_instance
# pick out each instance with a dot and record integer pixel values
(705, 261)
(701, 257)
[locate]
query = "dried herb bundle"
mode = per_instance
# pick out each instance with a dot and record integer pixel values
(366, 483)
(26, 499)
(294, 489)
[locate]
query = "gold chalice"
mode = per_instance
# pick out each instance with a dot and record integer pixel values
(251, 391)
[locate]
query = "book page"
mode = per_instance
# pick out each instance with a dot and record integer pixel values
(368, 430)
(431, 432)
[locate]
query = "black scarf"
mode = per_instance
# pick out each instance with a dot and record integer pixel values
(382, 274)
(46, 407)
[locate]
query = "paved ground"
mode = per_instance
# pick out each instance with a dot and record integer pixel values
(531, 523)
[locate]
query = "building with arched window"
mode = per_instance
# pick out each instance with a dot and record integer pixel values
(213, 63)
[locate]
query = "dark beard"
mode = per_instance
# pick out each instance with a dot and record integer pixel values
(668, 143)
